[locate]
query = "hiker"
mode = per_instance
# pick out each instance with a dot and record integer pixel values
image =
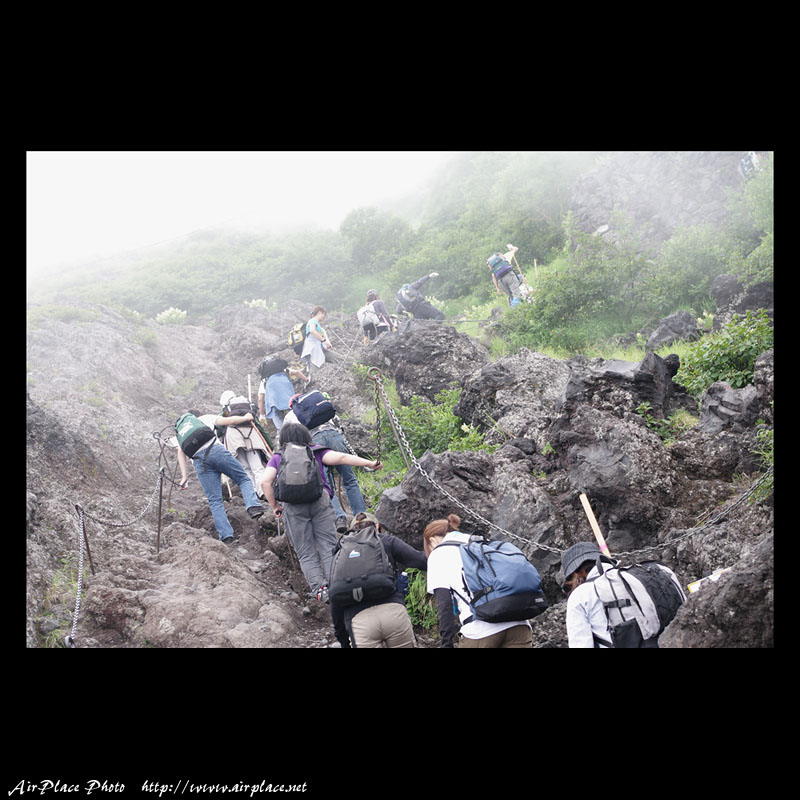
(382, 622)
(446, 584)
(211, 461)
(373, 317)
(245, 442)
(638, 619)
(310, 524)
(504, 277)
(587, 623)
(326, 434)
(411, 301)
(317, 348)
(276, 388)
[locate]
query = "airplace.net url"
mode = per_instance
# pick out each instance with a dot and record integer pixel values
(249, 789)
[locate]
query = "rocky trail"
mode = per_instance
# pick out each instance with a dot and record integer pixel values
(100, 387)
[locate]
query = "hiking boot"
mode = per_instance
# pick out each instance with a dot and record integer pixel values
(255, 511)
(229, 541)
(322, 593)
(341, 524)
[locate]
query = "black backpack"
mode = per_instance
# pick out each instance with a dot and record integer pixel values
(640, 600)
(271, 366)
(298, 479)
(361, 571)
(313, 409)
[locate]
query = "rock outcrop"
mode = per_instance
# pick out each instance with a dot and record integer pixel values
(99, 390)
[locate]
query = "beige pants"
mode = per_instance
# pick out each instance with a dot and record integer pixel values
(518, 636)
(384, 625)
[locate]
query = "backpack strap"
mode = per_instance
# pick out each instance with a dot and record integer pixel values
(464, 583)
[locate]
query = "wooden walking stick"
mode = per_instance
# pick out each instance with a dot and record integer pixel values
(595, 527)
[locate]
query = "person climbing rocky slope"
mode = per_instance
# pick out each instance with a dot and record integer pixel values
(101, 385)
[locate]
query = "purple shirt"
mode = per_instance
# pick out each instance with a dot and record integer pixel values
(319, 452)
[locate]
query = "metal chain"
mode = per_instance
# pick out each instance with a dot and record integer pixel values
(147, 508)
(70, 640)
(548, 548)
(692, 531)
(378, 388)
(421, 470)
(82, 515)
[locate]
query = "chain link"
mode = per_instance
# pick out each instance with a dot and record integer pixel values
(82, 515)
(698, 528)
(548, 548)
(147, 508)
(423, 472)
(70, 640)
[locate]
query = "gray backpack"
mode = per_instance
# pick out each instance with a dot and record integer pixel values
(298, 479)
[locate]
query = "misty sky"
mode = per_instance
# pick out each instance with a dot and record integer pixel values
(88, 204)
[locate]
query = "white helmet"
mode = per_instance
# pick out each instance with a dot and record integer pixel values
(226, 397)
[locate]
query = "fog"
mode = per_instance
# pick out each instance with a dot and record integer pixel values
(82, 206)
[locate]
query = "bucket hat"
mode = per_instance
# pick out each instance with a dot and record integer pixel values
(576, 555)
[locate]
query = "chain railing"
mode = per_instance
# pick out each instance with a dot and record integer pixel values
(375, 375)
(83, 541)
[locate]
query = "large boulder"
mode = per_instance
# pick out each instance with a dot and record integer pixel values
(620, 387)
(424, 357)
(736, 610)
(680, 326)
(723, 407)
(514, 396)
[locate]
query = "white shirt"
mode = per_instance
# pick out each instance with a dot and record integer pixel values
(586, 615)
(445, 571)
(207, 419)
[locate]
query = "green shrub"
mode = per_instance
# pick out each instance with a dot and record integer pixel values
(728, 355)
(434, 426)
(421, 608)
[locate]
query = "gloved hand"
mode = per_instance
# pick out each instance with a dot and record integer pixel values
(434, 275)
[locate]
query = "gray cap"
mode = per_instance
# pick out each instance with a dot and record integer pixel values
(576, 555)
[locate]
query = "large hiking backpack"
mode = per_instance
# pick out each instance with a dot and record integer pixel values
(500, 584)
(239, 409)
(640, 600)
(313, 409)
(271, 366)
(367, 315)
(361, 571)
(298, 479)
(499, 265)
(296, 337)
(192, 433)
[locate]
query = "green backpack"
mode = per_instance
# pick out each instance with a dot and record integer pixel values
(192, 433)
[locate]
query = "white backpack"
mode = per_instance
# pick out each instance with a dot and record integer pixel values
(367, 315)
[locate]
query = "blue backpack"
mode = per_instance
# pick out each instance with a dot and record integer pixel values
(500, 584)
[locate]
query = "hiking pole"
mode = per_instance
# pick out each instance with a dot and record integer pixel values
(261, 436)
(595, 527)
(522, 274)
